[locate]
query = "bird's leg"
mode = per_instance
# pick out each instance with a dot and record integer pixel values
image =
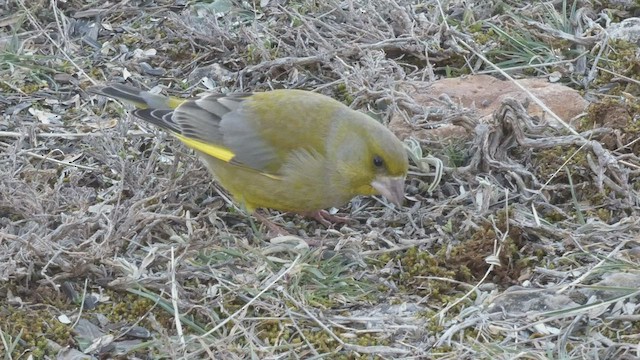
(321, 216)
(273, 228)
(326, 219)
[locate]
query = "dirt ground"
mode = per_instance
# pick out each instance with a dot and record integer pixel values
(518, 238)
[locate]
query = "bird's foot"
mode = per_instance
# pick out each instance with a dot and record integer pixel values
(272, 228)
(327, 219)
(321, 216)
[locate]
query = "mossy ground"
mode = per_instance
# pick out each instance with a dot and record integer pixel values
(103, 219)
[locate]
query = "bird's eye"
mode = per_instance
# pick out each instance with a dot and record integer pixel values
(377, 161)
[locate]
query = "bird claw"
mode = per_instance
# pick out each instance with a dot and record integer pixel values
(321, 216)
(273, 228)
(327, 219)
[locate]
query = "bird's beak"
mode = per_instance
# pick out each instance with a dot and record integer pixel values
(392, 188)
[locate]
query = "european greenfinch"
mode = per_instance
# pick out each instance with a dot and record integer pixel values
(288, 150)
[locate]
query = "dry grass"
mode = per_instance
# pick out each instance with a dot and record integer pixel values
(114, 241)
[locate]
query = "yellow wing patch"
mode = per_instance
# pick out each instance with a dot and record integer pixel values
(173, 102)
(217, 152)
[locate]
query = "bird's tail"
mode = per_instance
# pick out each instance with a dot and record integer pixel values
(139, 98)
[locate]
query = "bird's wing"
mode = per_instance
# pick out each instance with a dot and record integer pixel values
(260, 131)
(220, 126)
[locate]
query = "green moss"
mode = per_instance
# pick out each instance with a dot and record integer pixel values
(33, 328)
(128, 307)
(481, 34)
(417, 274)
(621, 59)
(32, 87)
(554, 216)
(548, 161)
(342, 94)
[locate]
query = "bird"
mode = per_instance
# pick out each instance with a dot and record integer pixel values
(289, 150)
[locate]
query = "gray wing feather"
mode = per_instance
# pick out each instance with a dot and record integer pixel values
(222, 120)
(241, 137)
